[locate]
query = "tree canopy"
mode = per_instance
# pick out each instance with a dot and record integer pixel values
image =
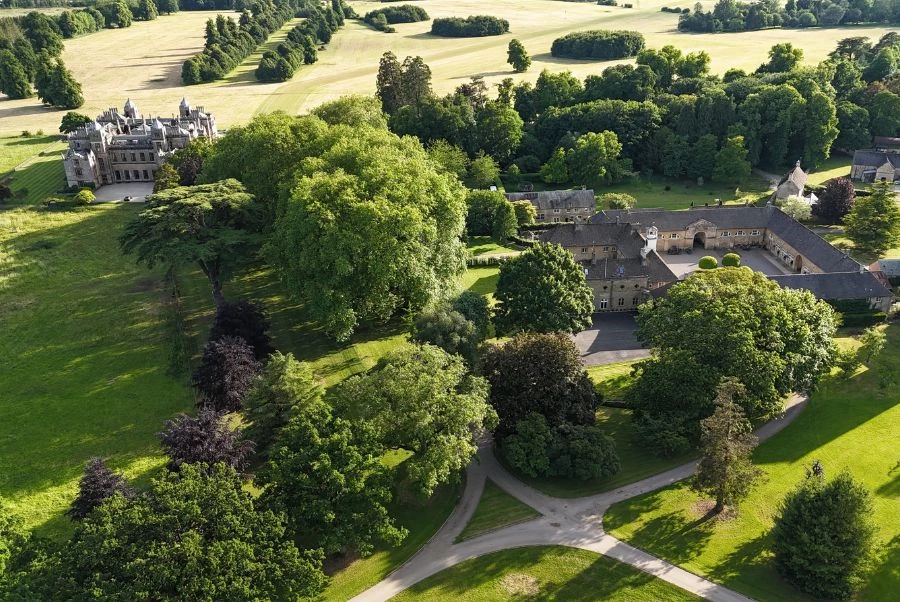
(543, 290)
(727, 322)
(424, 400)
(215, 226)
(371, 227)
(873, 224)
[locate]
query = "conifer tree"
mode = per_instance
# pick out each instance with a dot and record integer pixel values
(97, 484)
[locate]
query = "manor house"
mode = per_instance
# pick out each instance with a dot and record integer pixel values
(125, 147)
(631, 255)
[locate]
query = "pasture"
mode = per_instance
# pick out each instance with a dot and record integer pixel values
(144, 61)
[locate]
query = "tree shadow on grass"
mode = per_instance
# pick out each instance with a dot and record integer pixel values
(884, 581)
(485, 285)
(675, 537)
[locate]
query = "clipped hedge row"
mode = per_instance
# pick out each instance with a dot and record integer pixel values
(863, 319)
(598, 44)
(475, 26)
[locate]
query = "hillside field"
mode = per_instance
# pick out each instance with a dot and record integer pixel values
(144, 61)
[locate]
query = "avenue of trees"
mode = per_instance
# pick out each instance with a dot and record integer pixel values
(302, 42)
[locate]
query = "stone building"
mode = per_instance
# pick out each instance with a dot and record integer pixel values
(559, 206)
(875, 166)
(118, 148)
(792, 183)
(624, 252)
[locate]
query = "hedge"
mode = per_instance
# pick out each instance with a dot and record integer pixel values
(475, 26)
(864, 319)
(598, 44)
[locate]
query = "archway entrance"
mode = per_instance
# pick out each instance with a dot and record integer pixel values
(798, 264)
(700, 240)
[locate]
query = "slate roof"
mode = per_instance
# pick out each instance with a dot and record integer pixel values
(886, 142)
(891, 267)
(625, 237)
(606, 269)
(796, 175)
(556, 199)
(809, 244)
(873, 158)
(836, 285)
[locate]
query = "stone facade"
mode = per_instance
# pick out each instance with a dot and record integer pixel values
(118, 148)
(559, 206)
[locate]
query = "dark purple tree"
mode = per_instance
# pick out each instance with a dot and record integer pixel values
(206, 437)
(836, 200)
(97, 484)
(226, 373)
(246, 320)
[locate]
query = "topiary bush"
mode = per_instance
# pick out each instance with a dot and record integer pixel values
(731, 260)
(708, 263)
(85, 196)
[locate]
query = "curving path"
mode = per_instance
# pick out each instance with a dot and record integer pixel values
(576, 523)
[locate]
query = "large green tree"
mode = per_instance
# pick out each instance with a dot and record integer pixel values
(540, 373)
(726, 468)
(325, 474)
(873, 223)
(543, 290)
(196, 534)
(732, 165)
(13, 78)
(449, 330)
(354, 110)
(498, 131)
(824, 535)
(71, 121)
(372, 227)
(594, 161)
(285, 387)
(215, 226)
(423, 400)
(517, 56)
(728, 322)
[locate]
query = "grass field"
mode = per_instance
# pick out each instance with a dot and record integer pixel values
(32, 164)
(86, 345)
(485, 245)
(612, 380)
(664, 193)
(837, 166)
(496, 509)
(543, 573)
(848, 424)
(144, 61)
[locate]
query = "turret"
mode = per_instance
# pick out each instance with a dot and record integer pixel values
(184, 109)
(650, 245)
(130, 109)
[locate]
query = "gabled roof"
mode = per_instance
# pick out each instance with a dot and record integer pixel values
(836, 285)
(586, 235)
(809, 244)
(886, 142)
(556, 199)
(667, 220)
(796, 176)
(873, 158)
(606, 269)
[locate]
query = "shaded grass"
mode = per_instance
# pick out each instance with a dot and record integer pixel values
(484, 245)
(496, 509)
(481, 280)
(612, 380)
(637, 462)
(84, 340)
(544, 573)
(849, 424)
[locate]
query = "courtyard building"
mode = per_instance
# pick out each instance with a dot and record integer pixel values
(119, 148)
(792, 184)
(559, 206)
(633, 254)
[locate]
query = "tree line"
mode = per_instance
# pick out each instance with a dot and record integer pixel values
(301, 45)
(733, 15)
(228, 43)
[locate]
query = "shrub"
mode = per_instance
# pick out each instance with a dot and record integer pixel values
(97, 484)
(598, 44)
(863, 319)
(471, 27)
(474, 308)
(226, 373)
(823, 536)
(449, 330)
(731, 260)
(617, 200)
(406, 13)
(85, 196)
(245, 320)
(207, 438)
(708, 263)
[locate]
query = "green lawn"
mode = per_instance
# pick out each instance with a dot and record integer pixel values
(33, 166)
(848, 424)
(838, 166)
(612, 380)
(652, 193)
(543, 573)
(86, 342)
(637, 462)
(481, 280)
(496, 509)
(485, 245)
